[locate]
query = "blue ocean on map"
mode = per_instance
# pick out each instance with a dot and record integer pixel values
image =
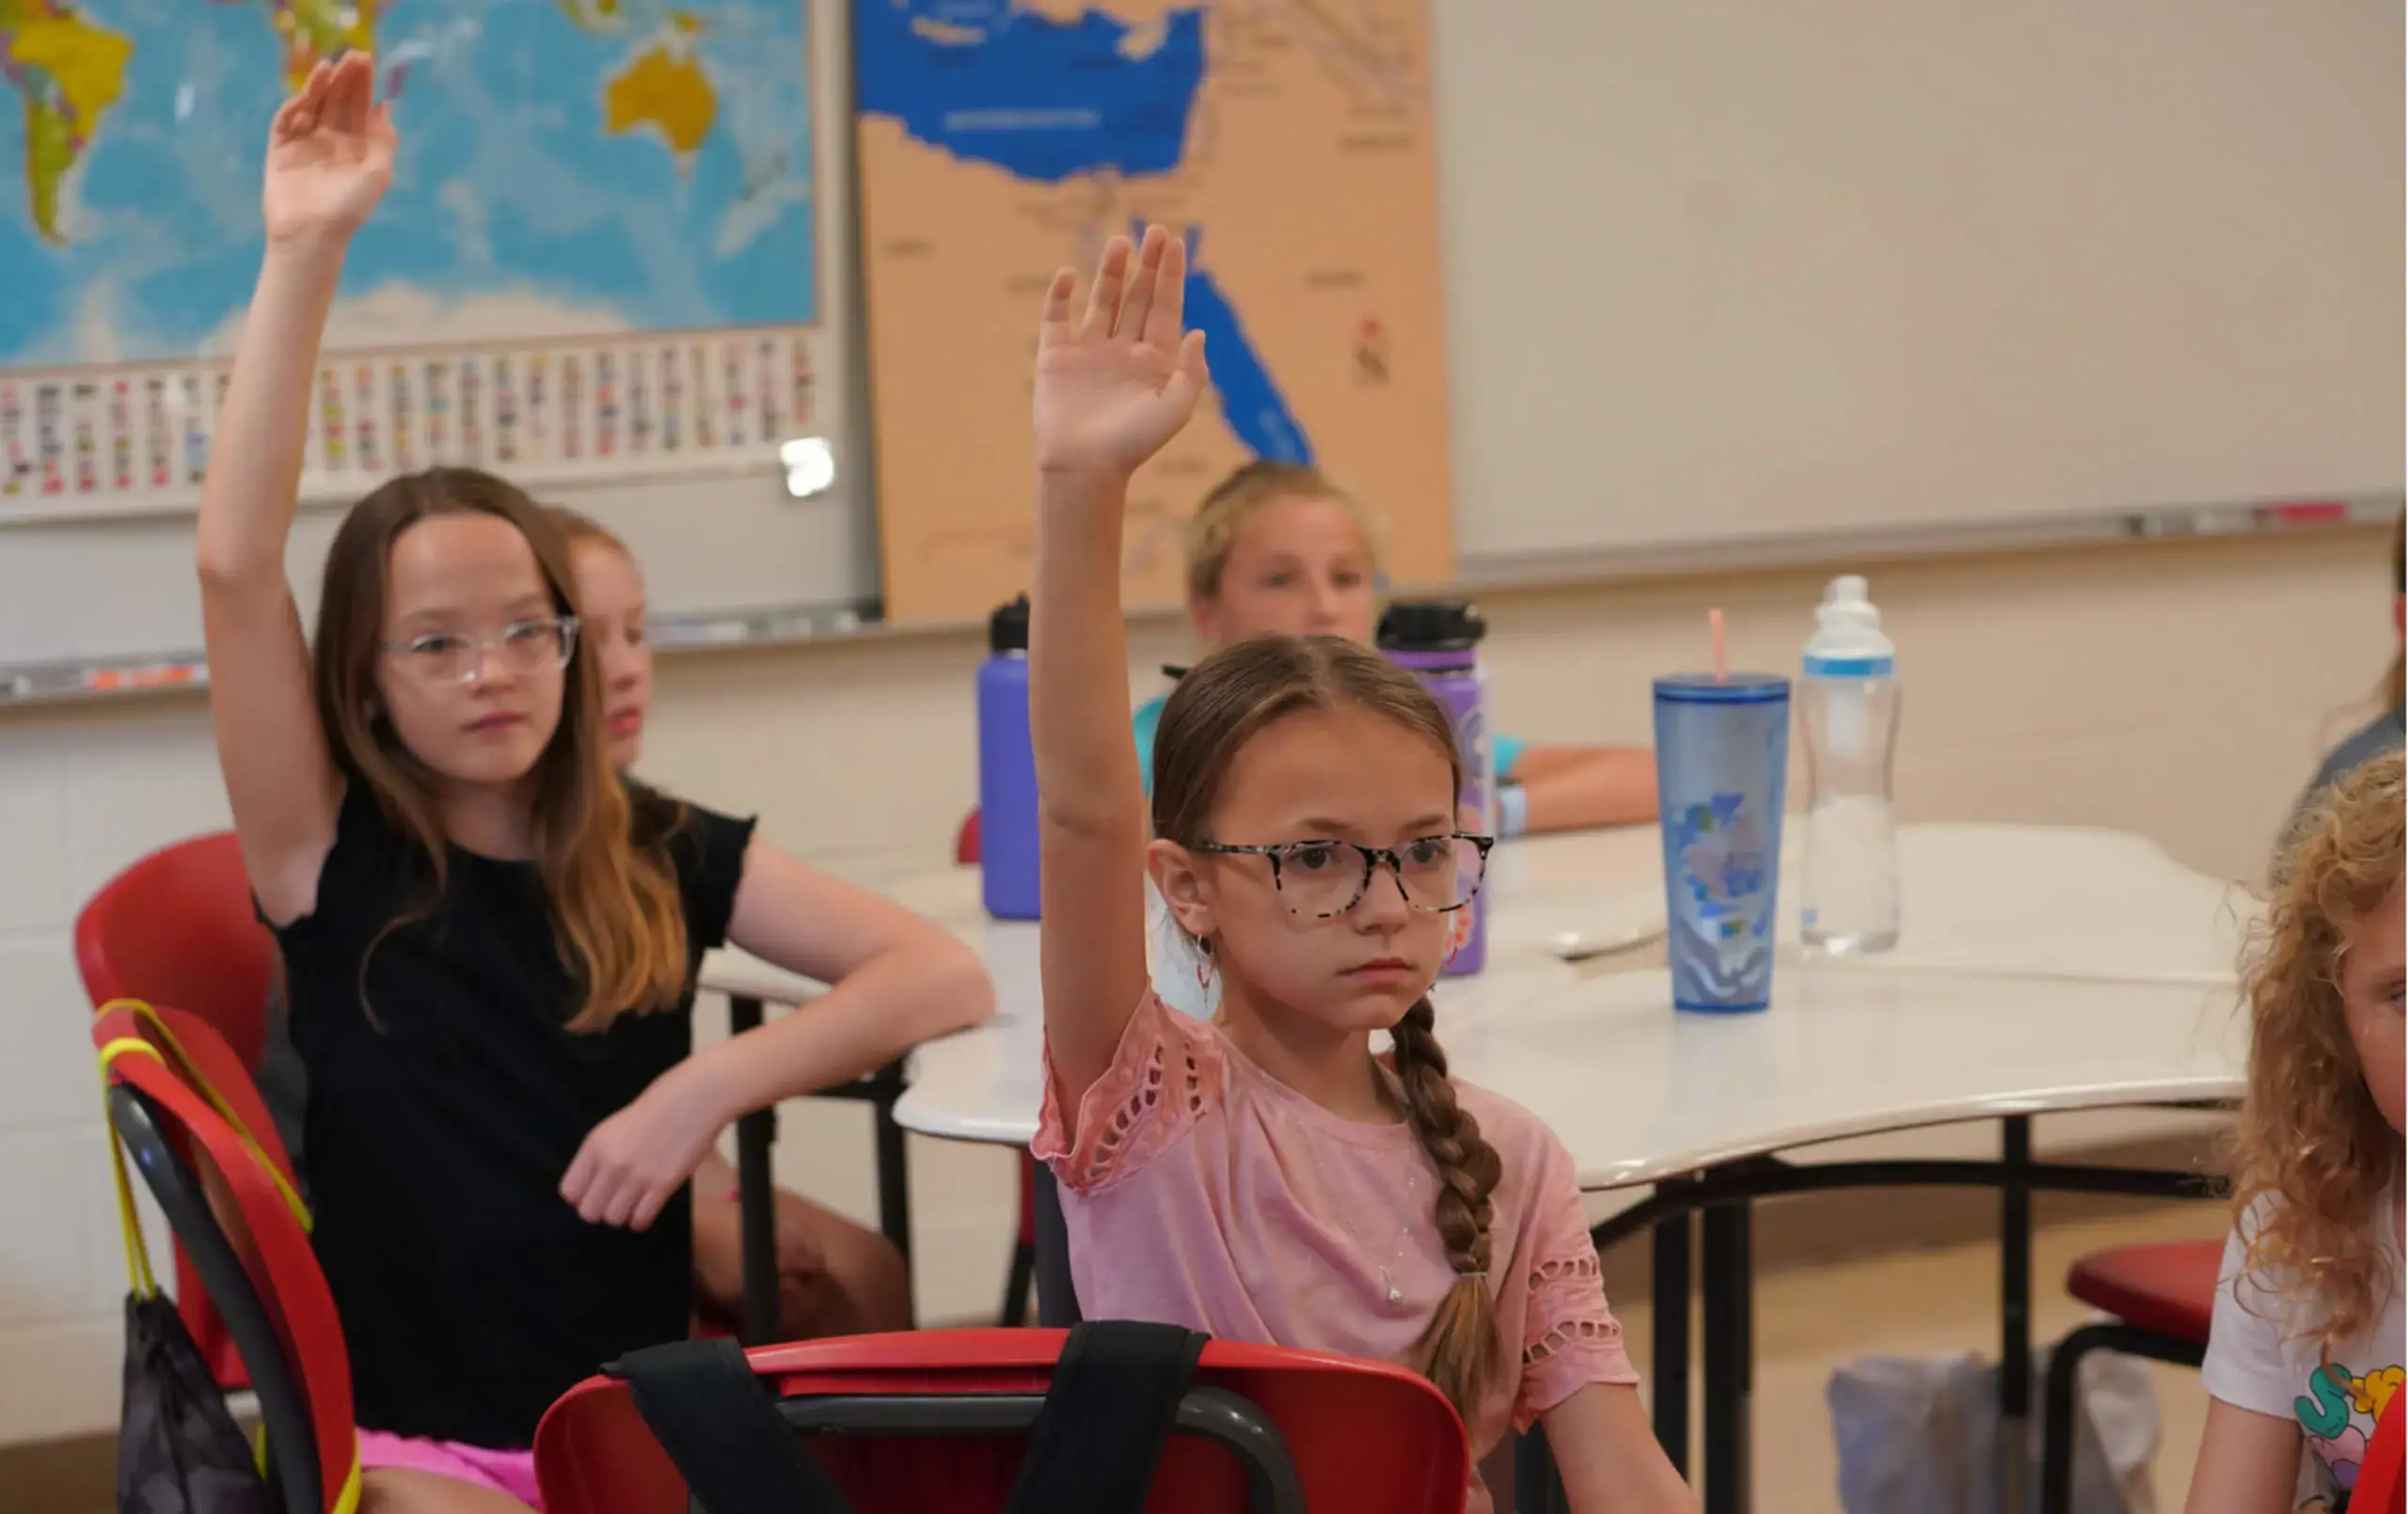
(1047, 99)
(511, 184)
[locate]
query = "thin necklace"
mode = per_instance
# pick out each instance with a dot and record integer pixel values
(1404, 1233)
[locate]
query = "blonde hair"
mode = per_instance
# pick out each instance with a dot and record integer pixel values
(576, 526)
(1213, 528)
(2309, 1135)
(1214, 711)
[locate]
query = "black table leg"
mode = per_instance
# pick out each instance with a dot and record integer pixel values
(1058, 1301)
(2015, 1310)
(756, 1198)
(1670, 1286)
(894, 1165)
(1728, 1243)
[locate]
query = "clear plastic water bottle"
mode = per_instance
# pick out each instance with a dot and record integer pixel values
(1849, 701)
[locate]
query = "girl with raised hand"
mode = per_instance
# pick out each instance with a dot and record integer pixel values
(1266, 1177)
(490, 940)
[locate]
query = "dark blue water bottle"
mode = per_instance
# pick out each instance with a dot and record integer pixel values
(1006, 769)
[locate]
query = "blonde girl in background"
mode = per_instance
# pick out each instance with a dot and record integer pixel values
(835, 1277)
(1277, 548)
(2306, 1351)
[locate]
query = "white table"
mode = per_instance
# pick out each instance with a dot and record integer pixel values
(2043, 969)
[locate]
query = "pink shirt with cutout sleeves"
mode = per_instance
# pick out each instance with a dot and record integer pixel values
(1201, 1191)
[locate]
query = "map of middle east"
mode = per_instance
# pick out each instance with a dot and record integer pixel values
(1289, 141)
(569, 168)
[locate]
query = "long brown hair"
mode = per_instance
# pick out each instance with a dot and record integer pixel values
(616, 915)
(2309, 1136)
(1214, 710)
(1213, 528)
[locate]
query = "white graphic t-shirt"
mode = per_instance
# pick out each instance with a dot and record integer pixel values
(2263, 1355)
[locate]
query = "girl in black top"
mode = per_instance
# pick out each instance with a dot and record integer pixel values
(491, 941)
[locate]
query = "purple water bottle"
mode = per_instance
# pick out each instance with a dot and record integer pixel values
(1006, 769)
(1439, 641)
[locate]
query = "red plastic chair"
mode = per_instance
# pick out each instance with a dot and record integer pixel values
(1362, 1436)
(2380, 1488)
(2160, 1300)
(187, 1114)
(177, 928)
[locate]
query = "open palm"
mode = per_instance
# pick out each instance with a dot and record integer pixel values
(1117, 383)
(330, 154)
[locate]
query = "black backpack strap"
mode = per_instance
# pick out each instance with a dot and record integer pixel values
(723, 1429)
(1116, 1393)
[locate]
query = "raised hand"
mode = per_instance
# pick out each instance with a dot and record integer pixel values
(1112, 389)
(330, 153)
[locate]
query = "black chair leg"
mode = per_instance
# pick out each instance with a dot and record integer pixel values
(2059, 1397)
(1016, 1285)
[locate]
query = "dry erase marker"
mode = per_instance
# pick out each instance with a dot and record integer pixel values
(472, 410)
(799, 405)
(120, 437)
(146, 675)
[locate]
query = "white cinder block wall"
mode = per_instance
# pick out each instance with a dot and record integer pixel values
(2179, 690)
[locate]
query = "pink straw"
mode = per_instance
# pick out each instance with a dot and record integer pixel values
(1721, 654)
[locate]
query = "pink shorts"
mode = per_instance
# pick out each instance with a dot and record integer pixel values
(504, 1472)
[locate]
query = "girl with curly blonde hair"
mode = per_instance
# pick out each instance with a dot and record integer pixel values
(2306, 1348)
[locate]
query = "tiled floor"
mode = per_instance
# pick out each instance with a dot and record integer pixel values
(1939, 1303)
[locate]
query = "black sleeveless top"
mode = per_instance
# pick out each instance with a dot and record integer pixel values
(445, 1102)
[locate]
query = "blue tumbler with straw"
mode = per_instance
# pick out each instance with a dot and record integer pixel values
(1721, 761)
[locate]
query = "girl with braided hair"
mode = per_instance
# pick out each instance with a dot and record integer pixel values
(1265, 1177)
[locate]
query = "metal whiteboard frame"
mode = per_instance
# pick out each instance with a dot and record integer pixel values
(25, 685)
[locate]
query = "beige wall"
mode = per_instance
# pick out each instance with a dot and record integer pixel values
(2182, 690)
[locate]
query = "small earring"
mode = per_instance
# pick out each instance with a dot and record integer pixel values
(1204, 966)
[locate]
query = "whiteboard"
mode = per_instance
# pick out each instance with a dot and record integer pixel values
(94, 579)
(1732, 269)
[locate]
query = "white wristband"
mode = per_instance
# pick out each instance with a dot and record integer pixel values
(1512, 810)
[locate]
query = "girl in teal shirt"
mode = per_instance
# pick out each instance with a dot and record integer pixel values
(1277, 548)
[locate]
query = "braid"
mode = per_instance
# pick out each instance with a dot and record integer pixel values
(1459, 1352)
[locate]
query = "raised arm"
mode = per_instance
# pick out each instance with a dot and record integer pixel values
(329, 157)
(1112, 387)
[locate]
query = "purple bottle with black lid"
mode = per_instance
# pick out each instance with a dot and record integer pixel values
(1007, 841)
(1438, 642)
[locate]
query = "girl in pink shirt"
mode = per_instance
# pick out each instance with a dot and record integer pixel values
(1265, 1177)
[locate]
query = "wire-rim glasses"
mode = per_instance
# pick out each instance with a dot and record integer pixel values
(537, 645)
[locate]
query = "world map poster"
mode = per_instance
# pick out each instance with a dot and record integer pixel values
(574, 177)
(1290, 143)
